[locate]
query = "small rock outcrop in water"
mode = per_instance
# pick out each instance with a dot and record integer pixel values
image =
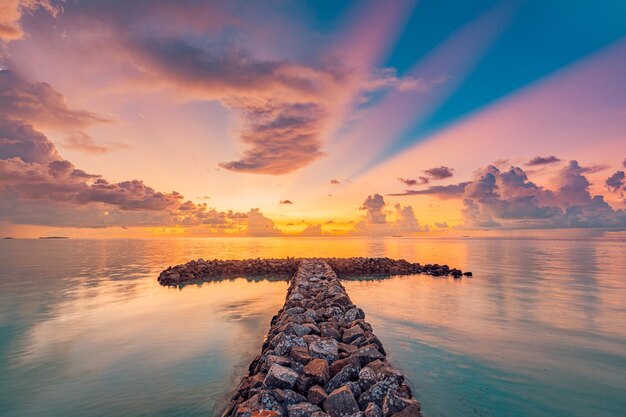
(201, 270)
(320, 357)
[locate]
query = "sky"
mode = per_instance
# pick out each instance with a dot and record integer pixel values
(153, 118)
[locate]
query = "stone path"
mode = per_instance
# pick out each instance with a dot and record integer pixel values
(320, 358)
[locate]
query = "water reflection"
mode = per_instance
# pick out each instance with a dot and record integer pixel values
(86, 330)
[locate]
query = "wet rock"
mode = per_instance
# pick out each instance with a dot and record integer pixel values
(394, 403)
(410, 411)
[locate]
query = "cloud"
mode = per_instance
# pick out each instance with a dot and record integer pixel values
(80, 141)
(40, 104)
(11, 12)
(508, 199)
(259, 225)
(615, 182)
(543, 160)
(375, 221)
(441, 191)
(439, 173)
(312, 230)
(624, 163)
(286, 202)
(284, 107)
(334, 181)
(374, 205)
(410, 182)
(282, 137)
(442, 225)
(38, 186)
(19, 139)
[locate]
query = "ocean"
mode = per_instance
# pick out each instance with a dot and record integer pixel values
(85, 329)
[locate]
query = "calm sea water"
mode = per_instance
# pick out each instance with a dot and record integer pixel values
(85, 330)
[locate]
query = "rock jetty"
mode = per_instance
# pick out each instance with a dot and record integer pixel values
(201, 270)
(320, 357)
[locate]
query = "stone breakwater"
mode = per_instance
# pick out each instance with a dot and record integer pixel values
(201, 270)
(320, 358)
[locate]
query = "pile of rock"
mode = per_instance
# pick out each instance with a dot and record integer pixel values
(320, 359)
(201, 270)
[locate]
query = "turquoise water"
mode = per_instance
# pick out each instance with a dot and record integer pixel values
(86, 331)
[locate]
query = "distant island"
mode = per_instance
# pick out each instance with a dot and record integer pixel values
(8, 237)
(54, 237)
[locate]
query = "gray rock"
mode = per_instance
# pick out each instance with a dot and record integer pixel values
(303, 409)
(279, 376)
(325, 349)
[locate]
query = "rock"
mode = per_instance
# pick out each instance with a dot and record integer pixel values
(327, 349)
(354, 314)
(288, 397)
(410, 411)
(302, 410)
(327, 330)
(368, 353)
(300, 354)
(352, 333)
(340, 403)
(316, 395)
(377, 371)
(279, 376)
(318, 370)
(376, 393)
(394, 403)
(372, 410)
(339, 364)
(347, 373)
(265, 413)
(350, 349)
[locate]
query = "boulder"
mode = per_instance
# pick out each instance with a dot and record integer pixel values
(316, 394)
(318, 370)
(327, 349)
(303, 409)
(279, 376)
(340, 403)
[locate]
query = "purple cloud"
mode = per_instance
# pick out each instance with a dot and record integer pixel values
(616, 181)
(507, 199)
(541, 160)
(40, 104)
(441, 191)
(439, 173)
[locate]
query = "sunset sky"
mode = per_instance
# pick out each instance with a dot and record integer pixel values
(138, 118)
